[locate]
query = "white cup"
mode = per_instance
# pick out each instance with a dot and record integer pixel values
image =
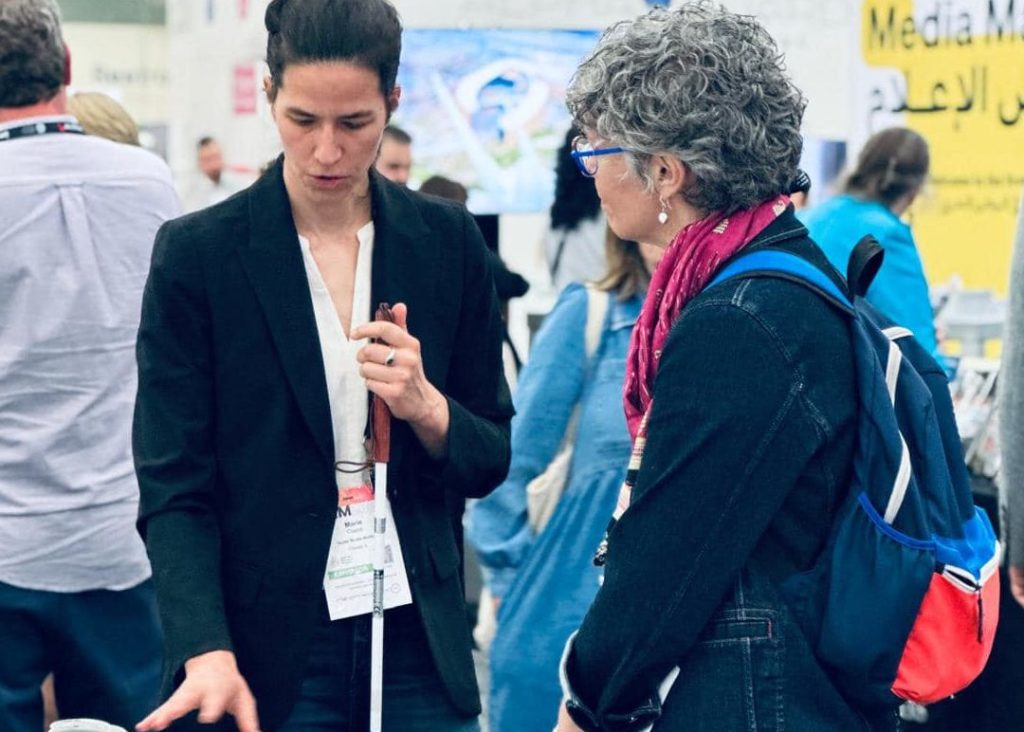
(84, 725)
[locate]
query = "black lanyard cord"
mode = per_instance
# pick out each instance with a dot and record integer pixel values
(30, 129)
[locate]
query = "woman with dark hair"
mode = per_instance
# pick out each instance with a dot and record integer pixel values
(891, 170)
(740, 396)
(574, 240)
(258, 359)
(567, 395)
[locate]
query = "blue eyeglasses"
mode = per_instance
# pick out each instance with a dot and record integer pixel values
(585, 156)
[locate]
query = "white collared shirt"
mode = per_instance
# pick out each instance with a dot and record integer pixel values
(78, 216)
(346, 389)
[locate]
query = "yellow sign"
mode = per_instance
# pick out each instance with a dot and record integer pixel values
(954, 72)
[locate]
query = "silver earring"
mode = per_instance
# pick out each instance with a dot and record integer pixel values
(663, 216)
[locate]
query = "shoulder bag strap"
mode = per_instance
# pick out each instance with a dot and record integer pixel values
(597, 309)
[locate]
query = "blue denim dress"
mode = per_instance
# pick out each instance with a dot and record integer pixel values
(547, 582)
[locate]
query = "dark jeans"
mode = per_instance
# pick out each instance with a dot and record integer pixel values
(752, 670)
(335, 692)
(103, 647)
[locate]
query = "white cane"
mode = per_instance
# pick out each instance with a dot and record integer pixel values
(380, 487)
(381, 433)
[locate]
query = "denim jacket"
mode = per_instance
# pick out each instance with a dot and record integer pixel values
(547, 582)
(750, 445)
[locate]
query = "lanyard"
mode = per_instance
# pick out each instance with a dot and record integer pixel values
(41, 128)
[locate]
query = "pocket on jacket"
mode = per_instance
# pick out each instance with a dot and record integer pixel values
(732, 679)
(751, 625)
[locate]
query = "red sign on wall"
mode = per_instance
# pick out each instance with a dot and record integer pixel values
(245, 89)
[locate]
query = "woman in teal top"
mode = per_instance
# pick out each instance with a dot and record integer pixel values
(890, 173)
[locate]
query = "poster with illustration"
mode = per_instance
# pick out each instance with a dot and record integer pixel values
(487, 108)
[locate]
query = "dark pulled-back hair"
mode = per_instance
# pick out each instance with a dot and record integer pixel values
(367, 33)
(575, 195)
(398, 135)
(438, 185)
(892, 163)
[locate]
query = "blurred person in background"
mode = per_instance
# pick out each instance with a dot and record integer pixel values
(394, 161)
(258, 353)
(574, 242)
(741, 399)
(507, 284)
(100, 115)
(992, 703)
(1011, 417)
(442, 187)
(214, 183)
(78, 215)
(542, 583)
(891, 171)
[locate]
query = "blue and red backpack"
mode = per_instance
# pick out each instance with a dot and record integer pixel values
(903, 602)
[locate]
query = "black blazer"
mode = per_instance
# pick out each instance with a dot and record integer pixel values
(233, 439)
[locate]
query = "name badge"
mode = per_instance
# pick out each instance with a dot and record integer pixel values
(348, 580)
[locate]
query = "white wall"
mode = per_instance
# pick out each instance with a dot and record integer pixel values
(126, 62)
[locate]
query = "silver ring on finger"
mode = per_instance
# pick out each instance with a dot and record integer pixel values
(389, 360)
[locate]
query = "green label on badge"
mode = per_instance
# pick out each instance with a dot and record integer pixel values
(349, 571)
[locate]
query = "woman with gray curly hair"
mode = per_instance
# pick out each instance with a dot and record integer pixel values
(740, 397)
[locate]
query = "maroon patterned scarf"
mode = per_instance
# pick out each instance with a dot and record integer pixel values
(690, 262)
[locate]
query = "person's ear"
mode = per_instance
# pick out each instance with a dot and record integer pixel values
(392, 100)
(67, 66)
(670, 175)
(270, 90)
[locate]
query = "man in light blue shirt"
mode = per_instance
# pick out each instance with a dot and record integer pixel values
(78, 216)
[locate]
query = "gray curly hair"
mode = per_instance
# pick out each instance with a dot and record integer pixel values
(705, 85)
(31, 52)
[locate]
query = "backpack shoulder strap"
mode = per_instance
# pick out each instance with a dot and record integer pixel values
(597, 307)
(785, 265)
(556, 263)
(864, 263)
